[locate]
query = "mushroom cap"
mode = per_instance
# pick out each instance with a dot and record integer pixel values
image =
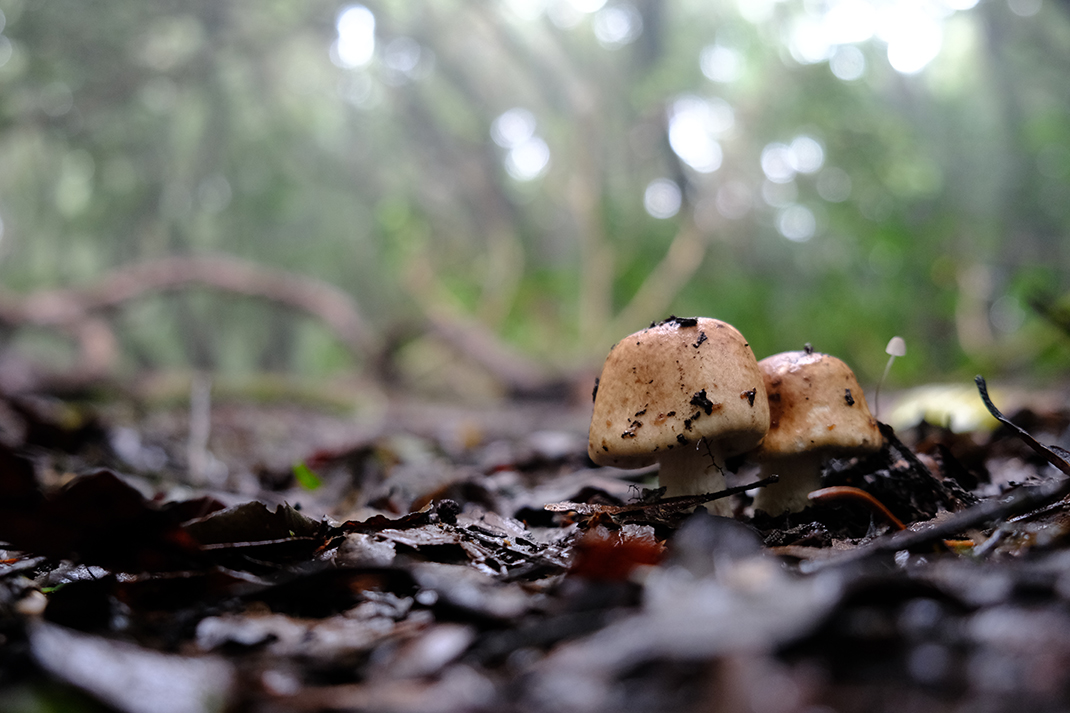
(815, 406)
(673, 384)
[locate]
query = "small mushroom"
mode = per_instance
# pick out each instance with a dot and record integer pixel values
(816, 411)
(684, 393)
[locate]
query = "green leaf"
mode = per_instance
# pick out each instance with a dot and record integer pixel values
(305, 477)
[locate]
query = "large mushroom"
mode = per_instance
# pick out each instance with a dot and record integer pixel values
(816, 411)
(684, 393)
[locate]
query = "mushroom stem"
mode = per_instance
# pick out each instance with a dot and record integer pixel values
(695, 469)
(897, 347)
(799, 475)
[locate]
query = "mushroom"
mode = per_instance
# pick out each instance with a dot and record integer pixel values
(684, 393)
(816, 411)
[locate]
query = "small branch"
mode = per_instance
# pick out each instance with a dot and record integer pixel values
(677, 503)
(76, 310)
(200, 428)
(1053, 454)
(1020, 500)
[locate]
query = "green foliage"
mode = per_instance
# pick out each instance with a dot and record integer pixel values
(130, 131)
(306, 477)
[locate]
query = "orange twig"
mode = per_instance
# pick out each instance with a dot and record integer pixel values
(847, 492)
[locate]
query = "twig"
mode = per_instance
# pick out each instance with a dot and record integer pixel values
(848, 492)
(1053, 454)
(200, 428)
(679, 502)
(1020, 500)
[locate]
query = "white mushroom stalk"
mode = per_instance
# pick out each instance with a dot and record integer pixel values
(694, 470)
(799, 476)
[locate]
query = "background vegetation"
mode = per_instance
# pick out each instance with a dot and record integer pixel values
(561, 172)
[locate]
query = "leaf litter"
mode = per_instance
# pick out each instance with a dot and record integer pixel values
(510, 574)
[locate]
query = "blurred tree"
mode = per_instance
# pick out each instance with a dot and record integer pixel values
(561, 172)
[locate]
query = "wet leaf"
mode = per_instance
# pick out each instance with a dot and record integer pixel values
(251, 534)
(100, 519)
(131, 678)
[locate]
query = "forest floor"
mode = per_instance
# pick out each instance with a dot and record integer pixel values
(267, 558)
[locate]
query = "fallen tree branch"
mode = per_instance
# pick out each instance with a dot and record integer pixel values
(78, 310)
(67, 307)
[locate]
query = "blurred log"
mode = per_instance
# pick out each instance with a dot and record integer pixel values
(521, 376)
(71, 306)
(79, 311)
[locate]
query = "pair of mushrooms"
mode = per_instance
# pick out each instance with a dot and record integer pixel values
(688, 392)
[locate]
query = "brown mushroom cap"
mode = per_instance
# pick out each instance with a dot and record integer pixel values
(815, 406)
(672, 384)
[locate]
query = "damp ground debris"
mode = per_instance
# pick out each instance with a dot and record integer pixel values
(460, 559)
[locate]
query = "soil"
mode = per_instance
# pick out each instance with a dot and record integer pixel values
(284, 558)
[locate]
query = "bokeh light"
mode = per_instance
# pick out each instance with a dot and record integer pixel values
(617, 25)
(568, 14)
(526, 9)
(662, 198)
(808, 40)
(849, 21)
(694, 125)
(755, 11)
(513, 127)
(404, 59)
(807, 155)
(528, 160)
(914, 39)
(797, 223)
(778, 163)
(355, 45)
(912, 31)
(528, 155)
(848, 63)
(587, 6)
(214, 194)
(1025, 8)
(721, 64)
(1007, 314)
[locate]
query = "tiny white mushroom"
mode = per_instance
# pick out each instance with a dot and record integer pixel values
(897, 347)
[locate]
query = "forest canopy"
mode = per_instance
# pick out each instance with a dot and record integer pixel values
(558, 172)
